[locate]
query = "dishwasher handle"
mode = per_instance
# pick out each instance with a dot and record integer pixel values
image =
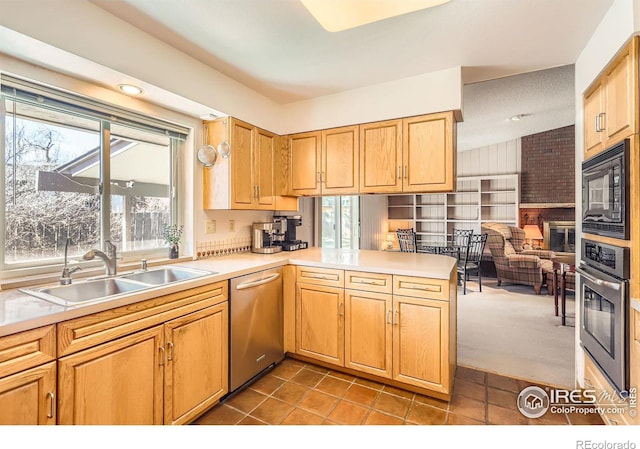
(252, 284)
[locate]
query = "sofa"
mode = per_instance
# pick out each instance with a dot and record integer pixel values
(514, 264)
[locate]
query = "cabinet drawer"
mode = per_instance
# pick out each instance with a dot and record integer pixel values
(421, 287)
(27, 349)
(320, 276)
(370, 282)
(84, 332)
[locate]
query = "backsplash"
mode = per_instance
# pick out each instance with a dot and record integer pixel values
(222, 247)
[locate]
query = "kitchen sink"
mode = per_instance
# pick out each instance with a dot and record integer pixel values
(96, 290)
(87, 291)
(166, 275)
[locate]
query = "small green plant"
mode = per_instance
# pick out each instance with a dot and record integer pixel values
(172, 233)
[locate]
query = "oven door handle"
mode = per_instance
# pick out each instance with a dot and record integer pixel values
(613, 285)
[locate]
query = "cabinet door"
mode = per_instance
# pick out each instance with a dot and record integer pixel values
(196, 372)
(428, 154)
(368, 329)
(28, 397)
(340, 161)
(243, 188)
(620, 96)
(320, 323)
(381, 157)
(420, 342)
(593, 111)
(119, 382)
(306, 165)
(263, 155)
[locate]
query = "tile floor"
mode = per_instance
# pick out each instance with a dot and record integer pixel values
(295, 392)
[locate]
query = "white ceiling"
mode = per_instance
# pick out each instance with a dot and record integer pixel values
(278, 49)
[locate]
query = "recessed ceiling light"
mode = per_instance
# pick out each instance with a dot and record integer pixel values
(130, 89)
(208, 116)
(516, 118)
(338, 15)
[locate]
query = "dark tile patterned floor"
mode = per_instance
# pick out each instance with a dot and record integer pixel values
(295, 392)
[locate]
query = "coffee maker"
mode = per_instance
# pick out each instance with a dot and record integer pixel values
(266, 237)
(288, 224)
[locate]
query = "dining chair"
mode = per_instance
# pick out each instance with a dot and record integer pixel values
(407, 240)
(460, 240)
(470, 263)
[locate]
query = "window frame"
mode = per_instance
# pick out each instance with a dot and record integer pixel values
(105, 114)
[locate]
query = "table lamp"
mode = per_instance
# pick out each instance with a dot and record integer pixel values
(532, 232)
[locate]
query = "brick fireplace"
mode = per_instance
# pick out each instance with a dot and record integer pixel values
(547, 182)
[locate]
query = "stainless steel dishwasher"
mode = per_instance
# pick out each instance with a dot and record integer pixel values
(256, 327)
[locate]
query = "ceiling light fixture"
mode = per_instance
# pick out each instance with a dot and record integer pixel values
(130, 89)
(339, 15)
(516, 118)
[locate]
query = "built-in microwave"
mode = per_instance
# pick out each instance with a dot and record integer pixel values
(605, 192)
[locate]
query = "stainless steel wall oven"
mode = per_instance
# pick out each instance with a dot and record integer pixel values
(604, 309)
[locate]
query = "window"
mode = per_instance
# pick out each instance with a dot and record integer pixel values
(339, 222)
(83, 173)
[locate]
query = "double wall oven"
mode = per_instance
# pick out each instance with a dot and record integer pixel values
(605, 267)
(604, 309)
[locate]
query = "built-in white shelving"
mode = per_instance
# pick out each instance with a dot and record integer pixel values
(477, 199)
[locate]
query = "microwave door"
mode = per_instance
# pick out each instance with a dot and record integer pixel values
(597, 196)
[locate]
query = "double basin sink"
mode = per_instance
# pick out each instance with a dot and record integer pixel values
(101, 289)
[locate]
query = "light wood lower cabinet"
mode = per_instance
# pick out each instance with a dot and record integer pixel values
(164, 360)
(119, 382)
(368, 332)
(28, 377)
(196, 371)
(28, 397)
(400, 328)
(421, 342)
(320, 322)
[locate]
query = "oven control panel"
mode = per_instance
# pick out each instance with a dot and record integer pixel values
(611, 259)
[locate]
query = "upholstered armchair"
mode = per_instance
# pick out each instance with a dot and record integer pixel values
(513, 264)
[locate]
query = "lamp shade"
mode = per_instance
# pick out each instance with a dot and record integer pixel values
(532, 232)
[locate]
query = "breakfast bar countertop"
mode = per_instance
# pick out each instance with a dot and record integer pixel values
(20, 311)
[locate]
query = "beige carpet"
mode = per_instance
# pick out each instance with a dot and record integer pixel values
(511, 331)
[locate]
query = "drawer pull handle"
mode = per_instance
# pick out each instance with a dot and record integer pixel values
(613, 422)
(367, 282)
(321, 276)
(52, 405)
(426, 288)
(395, 317)
(388, 316)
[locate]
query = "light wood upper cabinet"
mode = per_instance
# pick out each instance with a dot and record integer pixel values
(415, 154)
(306, 163)
(340, 161)
(429, 156)
(29, 397)
(381, 157)
(196, 371)
(248, 178)
(611, 103)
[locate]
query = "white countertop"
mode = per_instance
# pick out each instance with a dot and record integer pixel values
(20, 311)
(635, 303)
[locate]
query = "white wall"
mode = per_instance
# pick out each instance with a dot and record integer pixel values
(503, 158)
(430, 92)
(619, 24)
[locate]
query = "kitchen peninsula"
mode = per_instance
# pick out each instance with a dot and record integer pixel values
(387, 316)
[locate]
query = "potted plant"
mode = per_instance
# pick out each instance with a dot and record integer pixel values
(172, 234)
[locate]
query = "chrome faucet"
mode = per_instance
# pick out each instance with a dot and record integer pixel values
(108, 259)
(65, 277)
